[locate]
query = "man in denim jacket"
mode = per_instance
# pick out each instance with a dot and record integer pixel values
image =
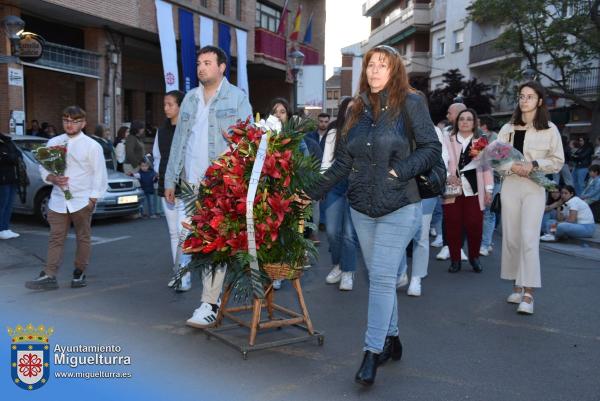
(205, 116)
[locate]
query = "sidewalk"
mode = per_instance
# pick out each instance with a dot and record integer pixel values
(588, 248)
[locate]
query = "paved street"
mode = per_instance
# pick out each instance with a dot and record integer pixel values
(461, 340)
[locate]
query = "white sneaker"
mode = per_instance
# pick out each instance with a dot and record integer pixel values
(402, 281)
(433, 232)
(438, 242)
(548, 238)
(7, 234)
(347, 281)
(483, 251)
(524, 307)
(444, 254)
(414, 289)
(203, 317)
(515, 298)
(462, 255)
(276, 284)
(334, 276)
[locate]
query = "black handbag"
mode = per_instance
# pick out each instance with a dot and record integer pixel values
(431, 183)
(496, 206)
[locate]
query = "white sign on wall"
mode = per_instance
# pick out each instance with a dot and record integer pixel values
(311, 87)
(15, 76)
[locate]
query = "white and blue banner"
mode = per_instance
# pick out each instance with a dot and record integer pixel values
(242, 60)
(168, 45)
(207, 33)
(188, 49)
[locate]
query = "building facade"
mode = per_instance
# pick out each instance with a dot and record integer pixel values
(105, 55)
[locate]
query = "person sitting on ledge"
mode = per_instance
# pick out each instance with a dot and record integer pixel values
(575, 220)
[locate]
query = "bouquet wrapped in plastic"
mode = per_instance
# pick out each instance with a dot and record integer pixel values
(54, 159)
(500, 156)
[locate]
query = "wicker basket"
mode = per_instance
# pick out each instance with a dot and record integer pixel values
(282, 271)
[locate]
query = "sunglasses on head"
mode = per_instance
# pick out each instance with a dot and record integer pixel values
(388, 49)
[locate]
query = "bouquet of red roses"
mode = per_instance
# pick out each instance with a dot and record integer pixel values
(54, 159)
(218, 229)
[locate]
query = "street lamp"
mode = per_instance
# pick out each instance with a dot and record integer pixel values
(295, 61)
(12, 27)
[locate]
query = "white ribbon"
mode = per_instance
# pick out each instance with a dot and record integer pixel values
(252, 188)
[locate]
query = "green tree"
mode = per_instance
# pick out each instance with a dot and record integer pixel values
(561, 34)
(474, 94)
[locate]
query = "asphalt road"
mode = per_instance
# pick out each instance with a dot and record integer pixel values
(462, 341)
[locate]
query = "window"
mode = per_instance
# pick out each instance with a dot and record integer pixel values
(238, 10)
(329, 95)
(267, 17)
(204, 3)
(222, 7)
(441, 47)
(459, 38)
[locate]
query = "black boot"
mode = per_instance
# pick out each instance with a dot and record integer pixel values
(391, 348)
(368, 369)
(454, 267)
(476, 264)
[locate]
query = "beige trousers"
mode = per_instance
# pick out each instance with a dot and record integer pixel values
(523, 203)
(211, 287)
(60, 223)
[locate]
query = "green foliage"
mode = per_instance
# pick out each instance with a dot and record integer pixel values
(474, 94)
(566, 31)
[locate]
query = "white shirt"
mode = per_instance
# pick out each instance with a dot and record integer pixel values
(466, 187)
(86, 170)
(196, 159)
(328, 151)
(584, 213)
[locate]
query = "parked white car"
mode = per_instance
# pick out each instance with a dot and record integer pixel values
(123, 195)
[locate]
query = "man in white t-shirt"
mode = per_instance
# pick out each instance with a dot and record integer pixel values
(575, 220)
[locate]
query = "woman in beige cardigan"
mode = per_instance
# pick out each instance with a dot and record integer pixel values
(523, 201)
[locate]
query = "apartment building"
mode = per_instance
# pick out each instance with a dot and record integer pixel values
(105, 55)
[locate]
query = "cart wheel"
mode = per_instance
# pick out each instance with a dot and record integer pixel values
(320, 340)
(245, 355)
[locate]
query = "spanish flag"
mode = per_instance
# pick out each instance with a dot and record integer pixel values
(294, 35)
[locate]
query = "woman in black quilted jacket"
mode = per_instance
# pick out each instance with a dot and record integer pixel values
(376, 156)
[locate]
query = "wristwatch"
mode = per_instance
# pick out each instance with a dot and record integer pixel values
(535, 165)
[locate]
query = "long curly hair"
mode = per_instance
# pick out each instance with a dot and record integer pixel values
(397, 86)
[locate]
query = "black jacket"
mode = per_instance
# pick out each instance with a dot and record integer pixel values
(165, 138)
(372, 148)
(9, 156)
(583, 156)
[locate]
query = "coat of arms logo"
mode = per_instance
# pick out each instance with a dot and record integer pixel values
(30, 355)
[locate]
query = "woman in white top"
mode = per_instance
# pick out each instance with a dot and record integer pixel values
(523, 201)
(576, 219)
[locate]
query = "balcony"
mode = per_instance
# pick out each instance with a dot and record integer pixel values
(413, 18)
(486, 53)
(585, 83)
(311, 55)
(417, 63)
(373, 7)
(69, 59)
(269, 45)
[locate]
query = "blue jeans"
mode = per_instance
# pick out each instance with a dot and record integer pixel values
(579, 175)
(383, 241)
(420, 254)
(574, 230)
(548, 219)
(343, 242)
(149, 204)
(489, 222)
(7, 194)
(437, 217)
